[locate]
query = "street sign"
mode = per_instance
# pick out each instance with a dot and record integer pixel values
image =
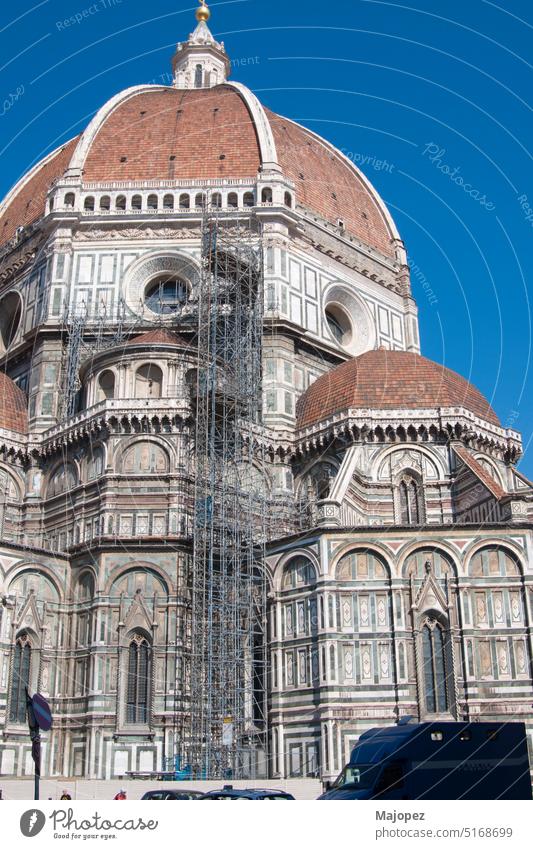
(41, 710)
(39, 717)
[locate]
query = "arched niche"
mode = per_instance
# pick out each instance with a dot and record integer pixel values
(361, 564)
(145, 457)
(298, 573)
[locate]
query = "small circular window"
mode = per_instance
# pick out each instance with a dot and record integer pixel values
(166, 295)
(339, 324)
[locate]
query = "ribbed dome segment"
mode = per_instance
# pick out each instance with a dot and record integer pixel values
(13, 406)
(173, 134)
(27, 203)
(158, 336)
(382, 380)
(326, 183)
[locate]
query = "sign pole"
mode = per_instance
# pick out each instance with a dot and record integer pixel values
(35, 738)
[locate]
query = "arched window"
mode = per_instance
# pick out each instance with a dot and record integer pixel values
(148, 381)
(63, 479)
(138, 684)
(198, 76)
(105, 202)
(266, 195)
(434, 667)
(494, 562)
(248, 199)
(361, 565)
(288, 199)
(199, 201)
(136, 202)
(168, 202)
(216, 200)
(70, 198)
(95, 464)
(410, 497)
(298, 573)
(106, 385)
(233, 200)
(152, 202)
(120, 202)
(145, 458)
(88, 204)
(318, 481)
(20, 679)
(185, 202)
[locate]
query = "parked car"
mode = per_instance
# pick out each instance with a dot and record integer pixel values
(173, 794)
(228, 792)
(437, 760)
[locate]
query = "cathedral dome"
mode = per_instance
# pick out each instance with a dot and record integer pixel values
(25, 203)
(384, 380)
(164, 135)
(13, 406)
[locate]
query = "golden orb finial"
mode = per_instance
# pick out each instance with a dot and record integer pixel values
(203, 13)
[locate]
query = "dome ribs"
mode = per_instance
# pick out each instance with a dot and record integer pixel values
(180, 124)
(384, 380)
(28, 203)
(326, 184)
(13, 406)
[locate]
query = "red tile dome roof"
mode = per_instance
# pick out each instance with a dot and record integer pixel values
(195, 126)
(158, 336)
(13, 406)
(160, 133)
(382, 380)
(26, 203)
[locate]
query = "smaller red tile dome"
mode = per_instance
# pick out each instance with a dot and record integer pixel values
(383, 380)
(158, 336)
(13, 406)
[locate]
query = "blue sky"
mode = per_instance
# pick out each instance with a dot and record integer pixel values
(431, 99)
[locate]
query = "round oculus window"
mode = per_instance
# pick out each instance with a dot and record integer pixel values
(165, 296)
(339, 324)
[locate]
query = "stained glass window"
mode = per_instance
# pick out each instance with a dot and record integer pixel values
(20, 680)
(434, 662)
(138, 685)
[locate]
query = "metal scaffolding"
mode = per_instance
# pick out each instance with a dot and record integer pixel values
(219, 704)
(85, 333)
(228, 662)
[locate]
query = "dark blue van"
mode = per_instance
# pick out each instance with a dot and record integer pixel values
(437, 760)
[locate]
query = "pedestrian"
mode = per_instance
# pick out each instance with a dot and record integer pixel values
(121, 794)
(65, 796)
